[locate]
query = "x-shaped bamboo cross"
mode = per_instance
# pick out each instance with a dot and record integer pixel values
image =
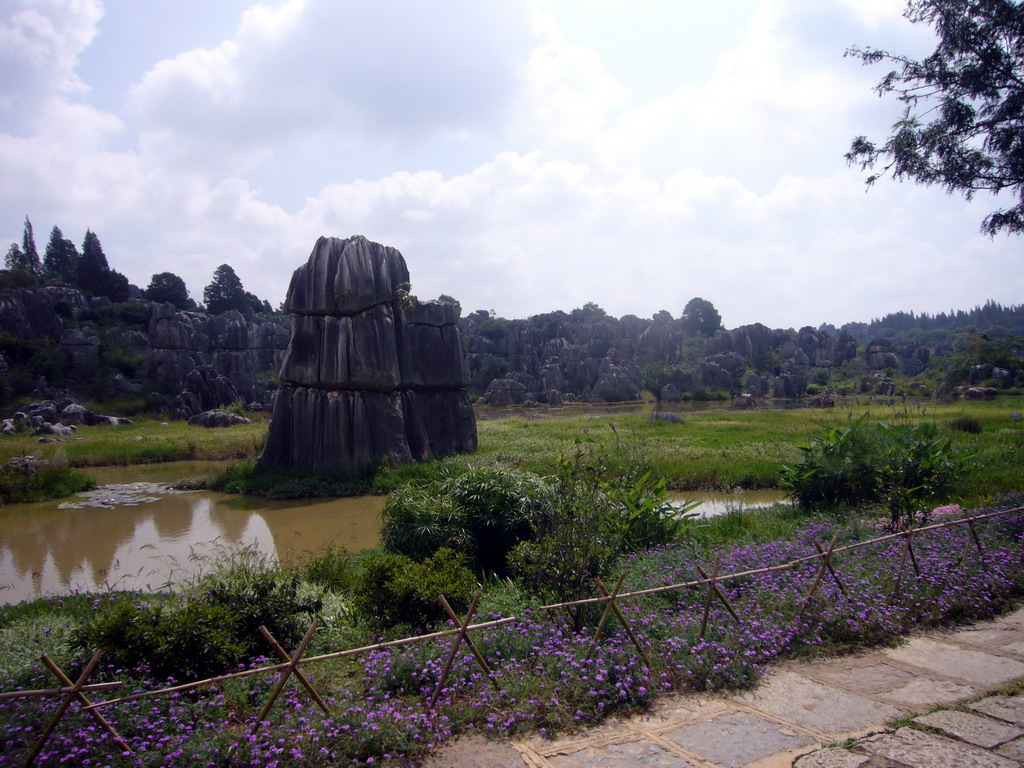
(826, 565)
(72, 691)
(291, 668)
(462, 635)
(712, 582)
(608, 609)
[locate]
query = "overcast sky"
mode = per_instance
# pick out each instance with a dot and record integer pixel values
(524, 155)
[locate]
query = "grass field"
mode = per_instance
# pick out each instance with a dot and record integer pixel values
(713, 449)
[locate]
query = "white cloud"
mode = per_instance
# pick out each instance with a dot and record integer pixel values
(732, 188)
(40, 42)
(382, 72)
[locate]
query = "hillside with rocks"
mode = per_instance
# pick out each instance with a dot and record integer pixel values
(57, 340)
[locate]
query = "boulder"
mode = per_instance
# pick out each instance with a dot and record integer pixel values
(885, 387)
(217, 419)
(670, 394)
(979, 373)
(822, 401)
(744, 401)
(789, 385)
(616, 385)
(979, 393)
(343, 277)
(211, 388)
(667, 416)
(370, 374)
(879, 354)
(504, 392)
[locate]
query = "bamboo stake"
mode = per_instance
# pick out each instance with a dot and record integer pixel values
(604, 616)
(910, 551)
(899, 574)
(707, 598)
(289, 667)
(625, 624)
(298, 672)
(75, 692)
(835, 576)
(60, 691)
(821, 572)
(469, 642)
(463, 625)
(721, 595)
(974, 531)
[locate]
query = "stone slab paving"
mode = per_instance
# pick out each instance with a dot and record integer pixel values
(923, 693)
(948, 661)
(801, 708)
(828, 710)
(737, 739)
(972, 729)
(1007, 708)
(918, 749)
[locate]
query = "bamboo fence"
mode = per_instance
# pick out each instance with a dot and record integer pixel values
(291, 663)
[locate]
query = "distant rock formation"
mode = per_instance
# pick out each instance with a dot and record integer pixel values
(365, 378)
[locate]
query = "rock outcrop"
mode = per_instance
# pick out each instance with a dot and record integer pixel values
(367, 377)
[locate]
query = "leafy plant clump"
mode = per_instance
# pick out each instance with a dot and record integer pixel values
(213, 626)
(482, 514)
(33, 479)
(901, 467)
(396, 590)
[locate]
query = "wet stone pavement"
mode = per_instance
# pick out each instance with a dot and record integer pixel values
(828, 713)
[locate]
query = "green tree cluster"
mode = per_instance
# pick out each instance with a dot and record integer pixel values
(962, 126)
(225, 292)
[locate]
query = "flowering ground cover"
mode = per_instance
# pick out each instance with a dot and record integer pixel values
(545, 676)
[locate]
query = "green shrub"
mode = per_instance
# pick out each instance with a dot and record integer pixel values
(969, 424)
(576, 537)
(397, 590)
(189, 641)
(902, 467)
(212, 627)
(480, 513)
(34, 479)
(332, 567)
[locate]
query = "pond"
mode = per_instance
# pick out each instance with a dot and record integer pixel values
(46, 549)
(147, 537)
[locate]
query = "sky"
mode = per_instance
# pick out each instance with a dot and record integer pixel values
(523, 155)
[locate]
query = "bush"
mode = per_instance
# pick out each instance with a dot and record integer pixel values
(969, 424)
(34, 479)
(899, 466)
(481, 513)
(211, 628)
(576, 537)
(397, 590)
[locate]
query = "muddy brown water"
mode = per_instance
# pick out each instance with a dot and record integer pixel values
(47, 548)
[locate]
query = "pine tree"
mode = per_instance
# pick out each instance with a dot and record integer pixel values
(92, 266)
(14, 259)
(28, 248)
(225, 292)
(60, 261)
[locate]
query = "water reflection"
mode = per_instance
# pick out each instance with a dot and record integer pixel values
(712, 504)
(45, 550)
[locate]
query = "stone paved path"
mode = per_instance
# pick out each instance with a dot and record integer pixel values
(799, 707)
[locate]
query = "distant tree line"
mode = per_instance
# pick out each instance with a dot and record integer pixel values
(88, 271)
(990, 315)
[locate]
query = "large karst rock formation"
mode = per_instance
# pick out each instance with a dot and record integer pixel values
(366, 376)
